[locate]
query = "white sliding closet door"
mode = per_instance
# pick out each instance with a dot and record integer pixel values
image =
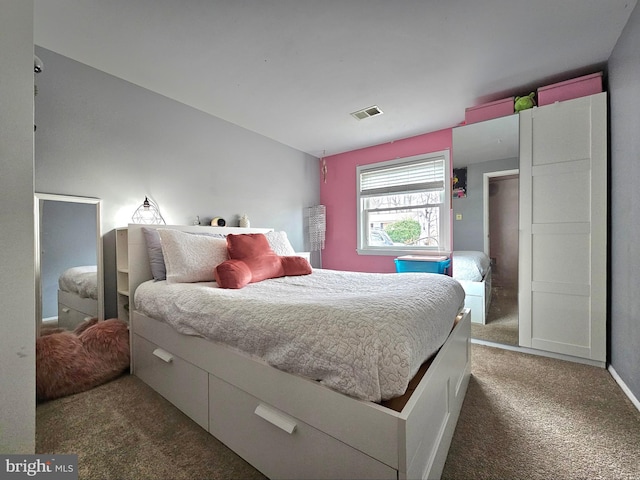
(563, 227)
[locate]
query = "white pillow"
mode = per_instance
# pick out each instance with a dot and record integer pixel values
(279, 243)
(191, 258)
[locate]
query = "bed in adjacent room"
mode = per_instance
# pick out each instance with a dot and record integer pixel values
(473, 270)
(77, 295)
(320, 375)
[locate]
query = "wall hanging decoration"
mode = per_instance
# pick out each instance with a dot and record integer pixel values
(324, 170)
(148, 213)
(317, 225)
(323, 166)
(459, 189)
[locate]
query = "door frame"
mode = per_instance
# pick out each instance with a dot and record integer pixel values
(485, 200)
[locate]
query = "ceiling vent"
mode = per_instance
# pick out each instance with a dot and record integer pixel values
(371, 111)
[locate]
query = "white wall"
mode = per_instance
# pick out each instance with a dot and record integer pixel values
(624, 87)
(17, 282)
(100, 136)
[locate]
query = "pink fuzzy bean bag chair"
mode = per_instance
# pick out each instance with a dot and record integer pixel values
(72, 362)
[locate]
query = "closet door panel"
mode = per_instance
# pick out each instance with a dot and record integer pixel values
(570, 190)
(558, 258)
(563, 192)
(561, 322)
(559, 133)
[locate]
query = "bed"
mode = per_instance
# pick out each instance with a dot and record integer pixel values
(473, 270)
(77, 295)
(288, 423)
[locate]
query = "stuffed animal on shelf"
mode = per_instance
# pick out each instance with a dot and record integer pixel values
(72, 362)
(524, 103)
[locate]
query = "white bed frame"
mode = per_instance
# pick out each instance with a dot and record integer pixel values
(74, 309)
(288, 426)
(478, 297)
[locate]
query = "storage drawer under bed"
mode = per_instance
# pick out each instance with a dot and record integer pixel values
(180, 382)
(69, 318)
(282, 446)
(340, 437)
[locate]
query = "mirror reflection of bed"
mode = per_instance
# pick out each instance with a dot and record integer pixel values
(486, 222)
(69, 260)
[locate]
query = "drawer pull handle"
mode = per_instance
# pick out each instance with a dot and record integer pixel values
(163, 355)
(66, 310)
(276, 418)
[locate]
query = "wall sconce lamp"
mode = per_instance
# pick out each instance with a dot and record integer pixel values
(148, 213)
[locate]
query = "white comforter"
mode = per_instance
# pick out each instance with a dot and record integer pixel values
(80, 280)
(362, 334)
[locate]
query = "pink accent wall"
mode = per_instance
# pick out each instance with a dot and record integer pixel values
(338, 194)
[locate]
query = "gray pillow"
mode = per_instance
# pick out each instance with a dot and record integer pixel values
(154, 250)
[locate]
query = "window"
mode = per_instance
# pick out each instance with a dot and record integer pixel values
(404, 205)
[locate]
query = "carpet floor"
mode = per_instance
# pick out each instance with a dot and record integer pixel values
(502, 318)
(538, 418)
(524, 417)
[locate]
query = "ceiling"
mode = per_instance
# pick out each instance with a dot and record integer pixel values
(294, 70)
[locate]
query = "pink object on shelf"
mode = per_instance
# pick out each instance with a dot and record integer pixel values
(487, 111)
(574, 88)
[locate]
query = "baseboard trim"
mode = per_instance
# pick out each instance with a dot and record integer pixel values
(540, 353)
(627, 391)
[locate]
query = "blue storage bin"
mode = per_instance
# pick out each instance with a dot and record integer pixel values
(428, 266)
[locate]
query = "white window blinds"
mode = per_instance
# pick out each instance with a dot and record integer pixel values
(420, 176)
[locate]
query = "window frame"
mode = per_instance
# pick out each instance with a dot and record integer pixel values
(446, 225)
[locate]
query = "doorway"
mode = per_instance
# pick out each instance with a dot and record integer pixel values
(501, 204)
(503, 230)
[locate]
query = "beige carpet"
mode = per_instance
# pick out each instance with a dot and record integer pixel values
(125, 431)
(502, 318)
(531, 417)
(524, 417)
